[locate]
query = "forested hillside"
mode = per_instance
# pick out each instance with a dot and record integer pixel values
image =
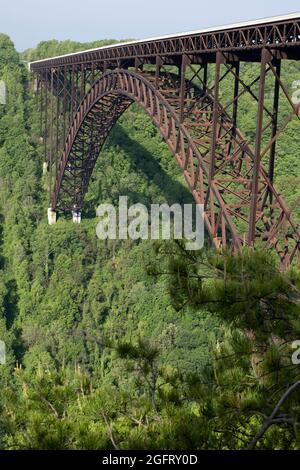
(133, 344)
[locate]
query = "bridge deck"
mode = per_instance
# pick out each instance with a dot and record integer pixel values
(281, 32)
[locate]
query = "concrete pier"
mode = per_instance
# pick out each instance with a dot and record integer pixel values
(76, 217)
(51, 216)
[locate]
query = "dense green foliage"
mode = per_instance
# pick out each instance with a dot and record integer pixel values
(54, 48)
(127, 344)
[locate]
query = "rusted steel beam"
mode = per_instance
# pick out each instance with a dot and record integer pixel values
(138, 64)
(41, 108)
(64, 108)
(57, 122)
(50, 162)
(73, 91)
(82, 82)
(219, 60)
(235, 97)
(158, 65)
(46, 124)
(205, 77)
(265, 59)
(275, 121)
(182, 93)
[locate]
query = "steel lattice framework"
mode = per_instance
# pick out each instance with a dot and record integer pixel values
(178, 82)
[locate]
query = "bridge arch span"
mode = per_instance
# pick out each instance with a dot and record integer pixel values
(101, 108)
(226, 193)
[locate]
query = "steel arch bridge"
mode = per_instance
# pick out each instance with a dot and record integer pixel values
(178, 81)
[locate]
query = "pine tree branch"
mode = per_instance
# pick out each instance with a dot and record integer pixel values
(109, 430)
(272, 418)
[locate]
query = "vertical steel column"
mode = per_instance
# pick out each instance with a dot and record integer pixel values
(82, 82)
(41, 107)
(64, 104)
(158, 64)
(184, 62)
(236, 66)
(235, 97)
(275, 121)
(57, 121)
(93, 72)
(51, 138)
(265, 58)
(37, 92)
(77, 90)
(138, 64)
(46, 121)
(219, 61)
(205, 73)
(72, 96)
(214, 129)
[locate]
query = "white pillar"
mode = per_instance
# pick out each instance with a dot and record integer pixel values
(76, 217)
(45, 168)
(51, 216)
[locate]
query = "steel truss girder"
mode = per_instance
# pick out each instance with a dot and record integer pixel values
(245, 41)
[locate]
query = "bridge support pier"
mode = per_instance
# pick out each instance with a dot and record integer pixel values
(76, 217)
(51, 216)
